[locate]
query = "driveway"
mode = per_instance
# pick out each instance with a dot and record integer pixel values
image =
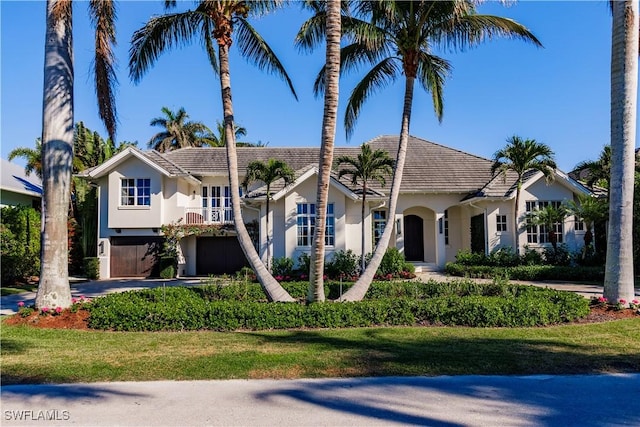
(95, 288)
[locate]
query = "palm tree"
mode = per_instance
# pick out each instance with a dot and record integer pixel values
(399, 41)
(57, 134)
(598, 172)
(368, 166)
(548, 217)
(33, 156)
(589, 210)
(521, 156)
(178, 131)
(268, 172)
(218, 139)
(327, 22)
(618, 280)
(216, 21)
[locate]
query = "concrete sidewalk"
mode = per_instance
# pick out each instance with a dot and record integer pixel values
(581, 400)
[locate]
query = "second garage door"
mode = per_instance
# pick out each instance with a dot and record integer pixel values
(219, 255)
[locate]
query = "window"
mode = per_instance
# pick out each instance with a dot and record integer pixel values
(219, 200)
(306, 221)
(135, 192)
(540, 234)
(379, 221)
(501, 223)
(579, 225)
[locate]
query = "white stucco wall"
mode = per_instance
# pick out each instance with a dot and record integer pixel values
(135, 216)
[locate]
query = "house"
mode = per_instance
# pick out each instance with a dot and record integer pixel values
(448, 201)
(18, 189)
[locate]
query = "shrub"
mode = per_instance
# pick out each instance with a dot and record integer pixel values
(531, 257)
(392, 263)
(304, 263)
(19, 243)
(503, 257)
(397, 303)
(558, 256)
(282, 266)
(343, 264)
(466, 257)
(527, 272)
(91, 267)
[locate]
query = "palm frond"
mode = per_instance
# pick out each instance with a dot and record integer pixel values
(103, 16)
(255, 49)
(471, 30)
(160, 34)
(377, 78)
(209, 46)
(432, 73)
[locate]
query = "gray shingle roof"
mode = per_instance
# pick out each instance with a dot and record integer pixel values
(14, 178)
(429, 168)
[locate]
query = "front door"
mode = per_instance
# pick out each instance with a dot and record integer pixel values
(477, 234)
(413, 238)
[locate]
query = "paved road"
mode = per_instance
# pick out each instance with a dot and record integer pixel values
(597, 400)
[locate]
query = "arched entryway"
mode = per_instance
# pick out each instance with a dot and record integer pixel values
(413, 238)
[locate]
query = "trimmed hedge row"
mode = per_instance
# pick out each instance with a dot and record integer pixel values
(178, 309)
(526, 272)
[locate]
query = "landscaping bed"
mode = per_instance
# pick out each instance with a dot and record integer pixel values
(243, 307)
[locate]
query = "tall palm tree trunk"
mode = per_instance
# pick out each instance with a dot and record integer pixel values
(57, 157)
(359, 289)
(516, 228)
(271, 287)
(618, 282)
(268, 232)
(362, 227)
(329, 119)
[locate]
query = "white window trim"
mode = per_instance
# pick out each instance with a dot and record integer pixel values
(135, 206)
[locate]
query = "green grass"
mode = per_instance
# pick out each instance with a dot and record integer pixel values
(31, 355)
(12, 290)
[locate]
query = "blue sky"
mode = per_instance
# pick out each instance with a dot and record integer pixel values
(558, 94)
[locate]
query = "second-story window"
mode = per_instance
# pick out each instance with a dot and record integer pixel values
(135, 192)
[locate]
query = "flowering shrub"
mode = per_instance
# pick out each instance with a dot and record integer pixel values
(620, 305)
(602, 302)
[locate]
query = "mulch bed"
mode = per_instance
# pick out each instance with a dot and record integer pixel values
(79, 319)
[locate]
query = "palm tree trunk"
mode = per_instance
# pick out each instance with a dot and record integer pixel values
(329, 118)
(57, 157)
(618, 282)
(271, 287)
(362, 228)
(359, 289)
(516, 229)
(268, 231)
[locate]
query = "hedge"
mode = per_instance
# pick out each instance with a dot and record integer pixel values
(527, 272)
(177, 309)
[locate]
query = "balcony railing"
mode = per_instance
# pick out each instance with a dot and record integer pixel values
(194, 216)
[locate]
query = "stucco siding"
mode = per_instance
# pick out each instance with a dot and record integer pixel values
(135, 216)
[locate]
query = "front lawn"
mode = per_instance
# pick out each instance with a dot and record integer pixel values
(33, 355)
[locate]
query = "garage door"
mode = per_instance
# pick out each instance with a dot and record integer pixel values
(135, 256)
(219, 255)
